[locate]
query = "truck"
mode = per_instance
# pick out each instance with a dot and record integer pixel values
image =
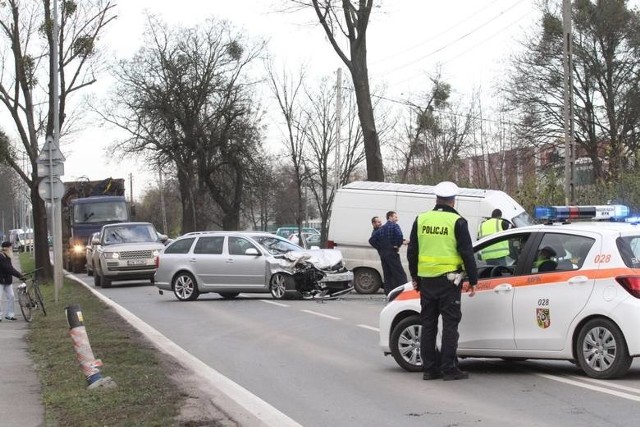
(86, 207)
(356, 203)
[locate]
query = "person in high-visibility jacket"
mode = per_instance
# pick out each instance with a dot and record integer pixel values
(494, 254)
(439, 248)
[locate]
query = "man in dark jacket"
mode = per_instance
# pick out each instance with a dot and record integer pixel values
(387, 241)
(7, 272)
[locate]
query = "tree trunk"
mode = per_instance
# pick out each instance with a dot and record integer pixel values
(188, 202)
(360, 76)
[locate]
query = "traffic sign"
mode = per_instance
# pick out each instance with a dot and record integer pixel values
(44, 171)
(48, 191)
(50, 151)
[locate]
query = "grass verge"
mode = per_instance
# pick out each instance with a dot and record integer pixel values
(145, 393)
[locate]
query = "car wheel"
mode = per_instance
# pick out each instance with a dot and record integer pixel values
(96, 280)
(185, 287)
(280, 285)
(89, 271)
(366, 281)
(405, 343)
(228, 295)
(602, 350)
(106, 282)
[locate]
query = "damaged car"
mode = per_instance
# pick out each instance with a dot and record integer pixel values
(229, 263)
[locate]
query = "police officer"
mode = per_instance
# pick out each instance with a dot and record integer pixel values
(439, 247)
(494, 254)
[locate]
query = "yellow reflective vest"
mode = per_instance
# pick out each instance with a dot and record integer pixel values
(437, 245)
(498, 250)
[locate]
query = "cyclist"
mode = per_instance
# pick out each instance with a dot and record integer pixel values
(6, 280)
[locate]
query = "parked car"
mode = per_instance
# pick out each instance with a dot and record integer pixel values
(90, 248)
(126, 251)
(228, 262)
(581, 304)
(288, 231)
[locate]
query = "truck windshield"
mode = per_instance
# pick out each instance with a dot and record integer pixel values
(100, 212)
(129, 233)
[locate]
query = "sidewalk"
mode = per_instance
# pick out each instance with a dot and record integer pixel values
(21, 393)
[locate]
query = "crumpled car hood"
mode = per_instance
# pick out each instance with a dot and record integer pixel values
(322, 259)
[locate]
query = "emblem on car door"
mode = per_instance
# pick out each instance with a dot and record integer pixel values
(543, 317)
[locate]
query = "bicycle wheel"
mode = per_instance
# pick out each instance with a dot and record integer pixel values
(38, 298)
(26, 305)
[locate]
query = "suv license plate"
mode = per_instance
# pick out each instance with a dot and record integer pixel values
(136, 262)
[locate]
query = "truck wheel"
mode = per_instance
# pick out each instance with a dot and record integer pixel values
(76, 267)
(366, 281)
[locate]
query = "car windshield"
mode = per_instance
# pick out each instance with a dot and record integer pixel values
(523, 220)
(130, 234)
(100, 212)
(276, 246)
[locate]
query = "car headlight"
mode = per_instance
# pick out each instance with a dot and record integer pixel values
(156, 253)
(111, 255)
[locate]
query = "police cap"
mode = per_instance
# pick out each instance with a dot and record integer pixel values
(446, 190)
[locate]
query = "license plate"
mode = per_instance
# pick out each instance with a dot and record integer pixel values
(136, 262)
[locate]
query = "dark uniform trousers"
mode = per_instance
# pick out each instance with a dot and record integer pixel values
(439, 297)
(392, 269)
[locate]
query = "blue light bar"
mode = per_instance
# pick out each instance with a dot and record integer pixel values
(599, 212)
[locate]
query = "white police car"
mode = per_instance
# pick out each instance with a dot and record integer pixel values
(567, 291)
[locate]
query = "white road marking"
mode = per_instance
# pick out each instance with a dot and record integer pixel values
(590, 387)
(371, 328)
(321, 314)
(608, 384)
(279, 304)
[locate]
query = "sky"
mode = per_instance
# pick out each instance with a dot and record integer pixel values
(407, 40)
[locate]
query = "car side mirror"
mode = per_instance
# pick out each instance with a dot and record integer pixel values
(252, 251)
(95, 241)
(163, 237)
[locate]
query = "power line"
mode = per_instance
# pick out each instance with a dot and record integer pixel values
(431, 39)
(484, 24)
(465, 51)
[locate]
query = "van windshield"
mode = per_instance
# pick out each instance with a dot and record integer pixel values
(523, 220)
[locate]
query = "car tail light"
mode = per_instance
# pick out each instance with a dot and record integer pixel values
(631, 284)
(331, 244)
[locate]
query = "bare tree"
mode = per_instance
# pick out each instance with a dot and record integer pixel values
(606, 75)
(286, 89)
(183, 100)
(350, 19)
(26, 82)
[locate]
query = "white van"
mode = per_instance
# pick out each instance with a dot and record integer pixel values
(356, 203)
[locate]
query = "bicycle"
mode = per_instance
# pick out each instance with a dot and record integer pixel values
(30, 297)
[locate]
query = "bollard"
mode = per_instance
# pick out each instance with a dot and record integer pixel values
(84, 354)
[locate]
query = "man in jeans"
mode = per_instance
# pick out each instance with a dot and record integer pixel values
(387, 240)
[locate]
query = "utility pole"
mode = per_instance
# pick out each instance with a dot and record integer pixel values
(569, 143)
(163, 208)
(338, 122)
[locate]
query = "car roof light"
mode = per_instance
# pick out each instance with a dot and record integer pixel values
(598, 212)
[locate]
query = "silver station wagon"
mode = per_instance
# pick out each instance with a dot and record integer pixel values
(229, 263)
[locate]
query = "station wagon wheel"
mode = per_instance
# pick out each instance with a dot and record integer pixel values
(405, 343)
(602, 350)
(366, 281)
(185, 287)
(280, 284)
